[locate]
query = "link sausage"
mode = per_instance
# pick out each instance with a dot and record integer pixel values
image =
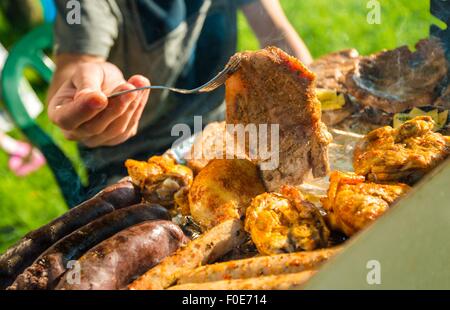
(53, 262)
(27, 249)
(118, 260)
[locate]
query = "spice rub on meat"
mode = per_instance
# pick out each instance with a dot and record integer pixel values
(271, 87)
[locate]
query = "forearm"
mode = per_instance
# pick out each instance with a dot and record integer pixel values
(66, 66)
(271, 27)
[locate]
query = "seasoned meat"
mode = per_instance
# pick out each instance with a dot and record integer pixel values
(291, 281)
(403, 154)
(273, 88)
(399, 79)
(259, 266)
(210, 144)
(207, 248)
(223, 190)
(331, 70)
(285, 222)
(352, 203)
(160, 178)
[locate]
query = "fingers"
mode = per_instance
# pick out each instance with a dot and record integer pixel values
(126, 124)
(115, 109)
(70, 113)
(81, 98)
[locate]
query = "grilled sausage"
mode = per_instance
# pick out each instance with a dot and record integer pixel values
(207, 248)
(27, 249)
(259, 266)
(116, 261)
(53, 262)
(291, 281)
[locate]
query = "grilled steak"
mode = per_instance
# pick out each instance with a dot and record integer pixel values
(399, 79)
(270, 87)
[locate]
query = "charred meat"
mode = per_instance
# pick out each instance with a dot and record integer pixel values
(160, 178)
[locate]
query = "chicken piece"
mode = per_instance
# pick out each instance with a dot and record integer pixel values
(272, 88)
(259, 266)
(280, 223)
(210, 144)
(160, 178)
(404, 154)
(353, 203)
(223, 190)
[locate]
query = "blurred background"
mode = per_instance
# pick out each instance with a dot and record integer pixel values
(325, 25)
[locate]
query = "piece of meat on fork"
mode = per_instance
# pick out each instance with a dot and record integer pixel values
(270, 87)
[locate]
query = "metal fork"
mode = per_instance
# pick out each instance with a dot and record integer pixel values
(213, 84)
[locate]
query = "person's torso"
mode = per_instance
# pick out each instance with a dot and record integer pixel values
(181, 43)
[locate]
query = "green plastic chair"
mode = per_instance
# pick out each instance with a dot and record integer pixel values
(29, 52)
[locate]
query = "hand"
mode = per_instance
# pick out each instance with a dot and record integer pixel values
(80, 107)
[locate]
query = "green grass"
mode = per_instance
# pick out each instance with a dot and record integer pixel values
(325, 25)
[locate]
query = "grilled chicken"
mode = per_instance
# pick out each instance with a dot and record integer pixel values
(404, 154)
(285, 222)
(353, 203)
(160, 178)
(223, 190)
(271, 87)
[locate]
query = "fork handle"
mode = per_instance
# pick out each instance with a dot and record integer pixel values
(124, 92)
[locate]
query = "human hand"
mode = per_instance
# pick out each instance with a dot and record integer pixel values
(81, 108)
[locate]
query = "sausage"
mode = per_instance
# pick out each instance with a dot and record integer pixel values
(259, 266)
(210, 246)
(115, 262)
(53, 262)
(291, 281)
(27, 249)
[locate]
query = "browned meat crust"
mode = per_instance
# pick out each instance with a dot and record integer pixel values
(205, 249)
(270, 87)
(292, 281)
